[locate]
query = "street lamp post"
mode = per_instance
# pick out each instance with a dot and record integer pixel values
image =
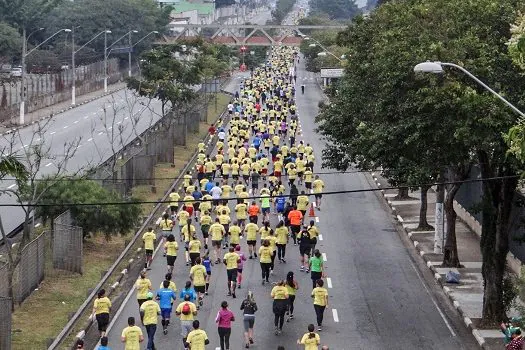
(437, 67)
(21, 118)
(106, 53)
(133, 45)
(74, 52)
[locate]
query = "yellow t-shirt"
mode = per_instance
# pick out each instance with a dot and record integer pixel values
(308, 176)
(282, 235)
(132, 335)
(194, 246)
(143, 285)
(149, 240)
(183, 217)
(251, 231)
(198, 273)
(187, 234)
(172, 286)
(279, 293)
(302, 202)
(174, 199)
(231, 260)
(217, 231)
(102, 305)
(205, 220)
(224, 219)
(319, 294)
(166, 224)
(318, 186)
(171, 248)
(151, 311)
(197, 339)
(235, 232)
(265, 254)
(240, 210)
(313, 231)
(264, 232)
(310, 343)
(188, 317)
(273, 241)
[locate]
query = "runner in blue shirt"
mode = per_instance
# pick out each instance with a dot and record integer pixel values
(207, 264)
(165, 296)
(189, 291)
(280, 203)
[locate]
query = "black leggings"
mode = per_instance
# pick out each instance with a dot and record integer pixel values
(224, 336)
(273, 260)
(319, 312)
(265, 268)
(279, 319)
(281, 251)
(291, 299)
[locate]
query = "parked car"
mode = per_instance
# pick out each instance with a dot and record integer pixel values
(16, 72)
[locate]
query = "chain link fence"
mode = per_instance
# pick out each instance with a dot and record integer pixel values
(31, 267)
(5, 323)
(67, 244)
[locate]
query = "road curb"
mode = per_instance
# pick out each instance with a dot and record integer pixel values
(466, 320)
(12, 130)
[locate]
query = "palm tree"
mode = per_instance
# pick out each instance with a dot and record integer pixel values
(11, 165)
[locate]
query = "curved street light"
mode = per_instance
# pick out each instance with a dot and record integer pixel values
(437, 67)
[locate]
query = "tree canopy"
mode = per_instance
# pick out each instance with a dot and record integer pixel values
(384, 114)
(110, 219)
(335, 9)
(10, 43)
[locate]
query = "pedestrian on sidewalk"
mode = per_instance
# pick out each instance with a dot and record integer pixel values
(224, 319)
(149, 312)
(101, 308)
(280, 305)
(320, 296)
(517, 341)
(310, 340)
(249, 308)
(509, 328)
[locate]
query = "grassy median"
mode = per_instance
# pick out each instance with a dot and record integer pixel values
(43, 314)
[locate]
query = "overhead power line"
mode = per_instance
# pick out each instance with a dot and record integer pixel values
(328, 193)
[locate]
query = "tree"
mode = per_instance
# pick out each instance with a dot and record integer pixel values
(442, 124)
(24, 14)
(168, 73)
(10, 43)
(110, 219)
(90, 17)
(335, 9)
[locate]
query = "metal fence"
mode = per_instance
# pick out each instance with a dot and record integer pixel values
(67, 244)
(44, 90)
(5, 323)
(4, 275)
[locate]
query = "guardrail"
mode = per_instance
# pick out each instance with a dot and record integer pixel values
(89, 300)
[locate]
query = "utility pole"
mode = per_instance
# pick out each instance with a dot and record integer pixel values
(129, 54)
(439, 215)
(105, 61)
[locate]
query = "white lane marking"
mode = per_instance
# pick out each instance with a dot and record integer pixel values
(79, 146)
(100, 133)
(317, 219)
(336, 316)
(433, 301)
(52, 132)
(75, 122)
(87, 116)
(110, 128)
(90, 139)
(313, 202)
(119, 122)
(11, 186)
(38, 225)
(65, 127)
(126, 118)
(94, 113)
(38, 139)
(320, 237)
(329, 282)
(324, 256)
(48, 164)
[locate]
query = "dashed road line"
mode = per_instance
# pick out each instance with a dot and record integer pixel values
(100, 133)
(336, 316)
(90, 139)
(317, 219)
(65, 127)
(320, 237)
(324, 256)
(75, 122)
(11, 186)
(52, 132)
(49, 164)
(329, 282)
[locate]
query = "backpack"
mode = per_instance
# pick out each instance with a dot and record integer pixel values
(186, 309)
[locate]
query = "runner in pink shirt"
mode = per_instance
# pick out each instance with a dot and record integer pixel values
(240, 264)
(224, 321)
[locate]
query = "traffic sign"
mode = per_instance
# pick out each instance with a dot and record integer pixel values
(332, 72)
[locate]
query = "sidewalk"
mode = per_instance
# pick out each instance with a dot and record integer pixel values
(61, 107)
(467, 296)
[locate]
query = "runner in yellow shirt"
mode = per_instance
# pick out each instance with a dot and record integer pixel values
(318, 185)
(149, 238)
(197, 339)
(310, 340)
(132, 335)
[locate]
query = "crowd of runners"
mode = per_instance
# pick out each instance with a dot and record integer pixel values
(248, 201)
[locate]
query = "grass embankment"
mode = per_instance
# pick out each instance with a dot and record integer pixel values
(43, 315)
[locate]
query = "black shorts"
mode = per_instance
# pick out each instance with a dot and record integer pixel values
(196, 206)
(232, 275)
(102, 321)
(170, 259)
(308, 185)
(303, 212)
(193, 257)
(315, 275)
(200, 289)
(250, 242)
(246, 177)
(295, 228)
(217, 244)
(149, 252)
(255, 185)
(239, 270)
(318, 195)
(304, 249)
(141, 301)
(174, 208)
(300, 174)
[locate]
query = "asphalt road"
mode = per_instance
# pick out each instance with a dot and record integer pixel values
(378, 296)
(98, 127)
